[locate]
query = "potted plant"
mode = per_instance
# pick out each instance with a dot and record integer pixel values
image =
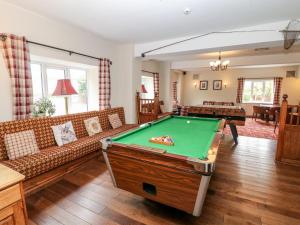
(43, 107)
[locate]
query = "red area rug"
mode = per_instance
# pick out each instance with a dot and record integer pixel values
(258, 129)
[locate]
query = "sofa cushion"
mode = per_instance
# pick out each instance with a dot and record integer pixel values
(87, 145)
(124, 128)
(64, 133)
(20, 144)
(53, 157)
(41, 162)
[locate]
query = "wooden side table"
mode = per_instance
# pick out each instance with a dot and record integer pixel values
(12, 201)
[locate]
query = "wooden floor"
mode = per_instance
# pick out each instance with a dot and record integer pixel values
(247, 188)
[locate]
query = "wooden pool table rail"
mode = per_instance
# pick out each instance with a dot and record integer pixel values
(205, 166)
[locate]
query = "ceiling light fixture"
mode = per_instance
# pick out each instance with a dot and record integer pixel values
(219, 65)
(187, 11)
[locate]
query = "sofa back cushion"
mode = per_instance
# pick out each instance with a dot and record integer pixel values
(42, 127)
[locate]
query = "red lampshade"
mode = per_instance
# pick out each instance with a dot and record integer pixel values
(143, 89)
(64, 87)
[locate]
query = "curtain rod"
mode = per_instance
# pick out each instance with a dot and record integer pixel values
(65, 50)
(3, 38)
(145, 71)
(260, 78)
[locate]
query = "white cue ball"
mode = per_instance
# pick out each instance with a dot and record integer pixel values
(188, 121)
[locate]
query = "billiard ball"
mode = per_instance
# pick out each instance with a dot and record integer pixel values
(188, 121)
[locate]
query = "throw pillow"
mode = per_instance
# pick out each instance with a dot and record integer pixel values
(92, 126)
(64, 133)
(114, 120)
(20, 144)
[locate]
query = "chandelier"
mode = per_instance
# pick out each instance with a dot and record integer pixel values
(219, 65)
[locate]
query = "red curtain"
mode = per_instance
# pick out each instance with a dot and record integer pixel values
(240, 89)
(16, 56)
(104, 84)
(277, 90)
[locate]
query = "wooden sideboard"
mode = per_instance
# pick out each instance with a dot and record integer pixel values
(12, 202)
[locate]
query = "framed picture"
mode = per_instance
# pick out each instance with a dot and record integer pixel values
(217, 85)
(203, 85)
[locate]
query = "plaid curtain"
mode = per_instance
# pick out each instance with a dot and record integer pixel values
(104, 84)
(240, 89)
(16, 56)
(174, 90)
(277, 89)
(156, 84)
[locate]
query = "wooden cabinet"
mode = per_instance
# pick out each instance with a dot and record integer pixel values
(12, 203)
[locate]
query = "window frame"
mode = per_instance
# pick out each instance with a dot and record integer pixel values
(67, 75)
(263, 80)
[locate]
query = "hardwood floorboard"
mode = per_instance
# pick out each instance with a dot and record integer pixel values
(248, 187)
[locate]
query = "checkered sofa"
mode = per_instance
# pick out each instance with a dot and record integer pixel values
(51, 156)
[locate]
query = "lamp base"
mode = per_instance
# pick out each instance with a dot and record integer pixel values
(66, 105)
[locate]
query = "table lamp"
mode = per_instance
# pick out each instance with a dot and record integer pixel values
(64, 88)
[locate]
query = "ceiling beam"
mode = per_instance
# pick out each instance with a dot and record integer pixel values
(218, 42)
(275, 59)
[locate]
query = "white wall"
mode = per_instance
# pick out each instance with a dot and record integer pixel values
(127, 82)
(38, 28)
(194, 96)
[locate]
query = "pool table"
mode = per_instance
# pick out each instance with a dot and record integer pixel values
(176, 175)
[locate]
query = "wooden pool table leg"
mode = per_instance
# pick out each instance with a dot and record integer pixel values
(105, 143)
(201, 195)
(234, 132)
(109, 168)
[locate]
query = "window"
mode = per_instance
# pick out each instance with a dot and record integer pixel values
(37, 87)
(258, 91)
(78, 102)
(44, 80)
(149, 85)
(52, 75)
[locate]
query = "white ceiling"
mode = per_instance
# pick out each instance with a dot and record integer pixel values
(149, 20)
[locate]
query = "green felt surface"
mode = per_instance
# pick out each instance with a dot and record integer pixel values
(191, 139)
